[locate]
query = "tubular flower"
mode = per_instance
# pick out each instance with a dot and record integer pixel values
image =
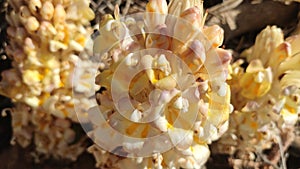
(47, 40)
(163, 95)
(269, 104)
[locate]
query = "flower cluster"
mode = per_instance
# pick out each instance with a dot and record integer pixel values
(47, 40)
(266, 95)
(162, 74)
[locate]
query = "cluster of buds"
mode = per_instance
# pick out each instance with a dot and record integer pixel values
(163, 83)
(47, 40)
(266, 95)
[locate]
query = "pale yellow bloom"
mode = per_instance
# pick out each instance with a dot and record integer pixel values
(147, 93)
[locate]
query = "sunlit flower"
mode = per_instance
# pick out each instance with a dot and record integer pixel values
(145, 92)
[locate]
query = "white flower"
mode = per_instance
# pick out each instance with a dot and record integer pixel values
(165, 95)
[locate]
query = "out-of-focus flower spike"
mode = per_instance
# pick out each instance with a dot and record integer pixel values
(265, 43)
(40, 29)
